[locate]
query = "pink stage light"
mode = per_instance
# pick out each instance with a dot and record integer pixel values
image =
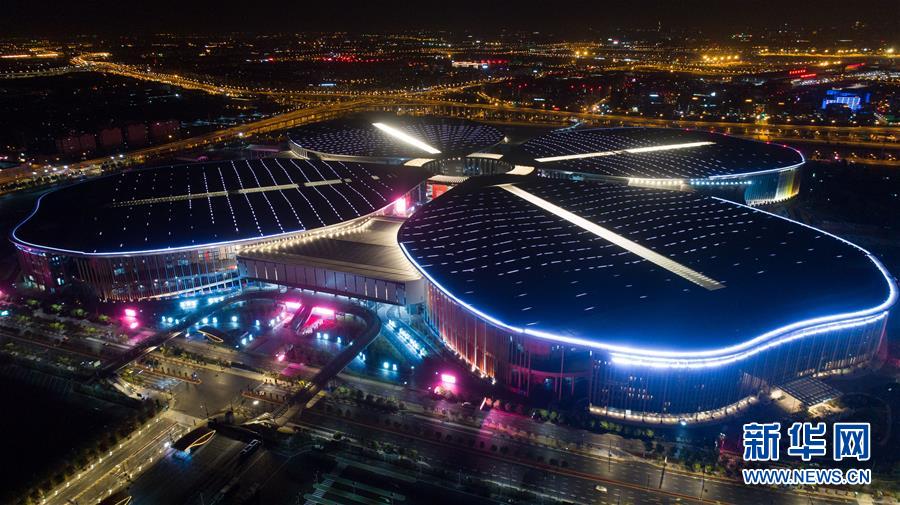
(322, 312)
(293, 305)
(448, 378)
(280, 357)
(133, 325)
(400, 205)
(130, 313)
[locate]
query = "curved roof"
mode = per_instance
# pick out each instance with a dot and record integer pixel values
(656, 153)
(631, 269)
(189, 206)
(359, 136)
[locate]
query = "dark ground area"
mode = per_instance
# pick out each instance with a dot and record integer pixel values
(45, 429)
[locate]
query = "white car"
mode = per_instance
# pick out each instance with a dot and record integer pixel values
(600, 488)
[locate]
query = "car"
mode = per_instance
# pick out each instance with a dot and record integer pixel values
(251, 447)
(599, 488)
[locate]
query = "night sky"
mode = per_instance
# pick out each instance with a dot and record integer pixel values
(32, 18)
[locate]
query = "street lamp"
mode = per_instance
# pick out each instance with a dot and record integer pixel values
(702, 484)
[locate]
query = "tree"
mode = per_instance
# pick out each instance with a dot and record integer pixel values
(298, 439)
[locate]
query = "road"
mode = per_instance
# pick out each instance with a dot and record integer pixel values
(425, 102)
(201, 477)
(530, 447)
(418, 401)
(92, 63)
(431, 96)
(121, 465)
(886, 136)
(221, 389)
(532, 466)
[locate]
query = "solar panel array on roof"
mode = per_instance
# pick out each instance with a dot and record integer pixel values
(528, 267)
(656, 153)
(208, 203)
(358, 137)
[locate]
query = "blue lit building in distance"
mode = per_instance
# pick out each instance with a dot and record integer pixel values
(689, 160)
(853, 100)
(175, 230)
(659, 306)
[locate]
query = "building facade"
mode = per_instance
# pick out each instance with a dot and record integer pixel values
(743, 170)
(127, 238)
(533, 300)
(646, 391)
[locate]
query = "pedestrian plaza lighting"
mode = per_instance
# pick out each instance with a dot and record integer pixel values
(187, 304)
